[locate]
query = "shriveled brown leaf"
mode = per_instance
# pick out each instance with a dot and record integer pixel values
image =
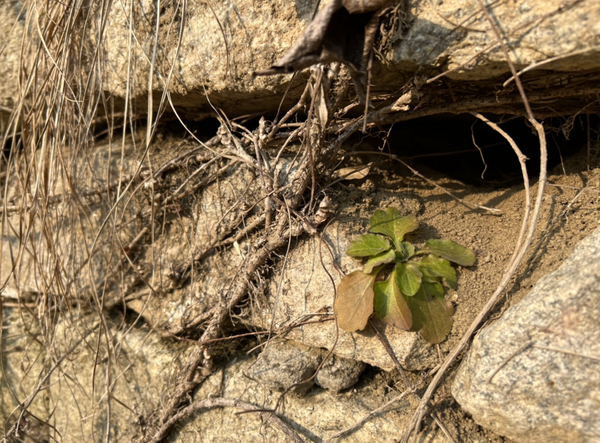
(343, 31)
(354, 303)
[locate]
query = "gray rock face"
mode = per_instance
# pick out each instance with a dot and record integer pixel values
(451, 34)
(543, 358)
(214, 51)
(285, 364)
(316, 416)
(144, 363)
(220, 48)
(338, 373)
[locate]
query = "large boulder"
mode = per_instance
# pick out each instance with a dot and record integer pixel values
(316, 416)
(207, 53)
(222, 44)
(456, 35)
(533, 375)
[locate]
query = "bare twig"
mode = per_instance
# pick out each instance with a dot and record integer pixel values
(407, 382)
(221, 402)
(521, 248)
(535, 65)
(370, 415)
(509, 358)
(566, 351)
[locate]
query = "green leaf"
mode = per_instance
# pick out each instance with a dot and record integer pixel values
(450, 251)
(354, 302)
(367, 245)
(406, 251)
(409, 278)
(435, 266)
(435, 289)
(390, 304)
(432, 314)
(429, 277)
(390, 223)
(379, 259)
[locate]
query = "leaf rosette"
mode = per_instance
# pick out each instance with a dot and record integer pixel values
(411, 296)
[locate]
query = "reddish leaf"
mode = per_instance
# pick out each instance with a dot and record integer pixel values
(354, 302)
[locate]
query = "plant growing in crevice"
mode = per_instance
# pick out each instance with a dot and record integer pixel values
(411, 296)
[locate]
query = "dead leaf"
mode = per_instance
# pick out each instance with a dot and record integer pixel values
(322, 111)
(343, 31)
(354, 302)
(353, 172)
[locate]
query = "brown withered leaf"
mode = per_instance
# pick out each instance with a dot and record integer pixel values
(354, 302)
(353, 172)
(343, 31)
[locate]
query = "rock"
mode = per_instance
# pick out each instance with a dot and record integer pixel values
(213, 207)
(73, 397)
(543, 354)
(11, 33)
(338, 373)
(21, 368)
(285, 364)
(315, 417)
(221, 45)
(224, 43)
(535, 30)
(75, 402)
(71, 240)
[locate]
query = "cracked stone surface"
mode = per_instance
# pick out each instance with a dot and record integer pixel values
(543, 355)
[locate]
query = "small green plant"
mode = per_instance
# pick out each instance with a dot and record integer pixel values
(411, 297)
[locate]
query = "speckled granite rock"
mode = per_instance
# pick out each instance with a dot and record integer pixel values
(223, 44)
(11, 33)
(212, 53)
(534, 375)
(315, 417)
(285, 364)
(338, 373)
